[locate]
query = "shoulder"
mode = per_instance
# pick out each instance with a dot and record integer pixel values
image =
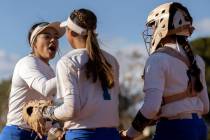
(157, 62)
(200, 61)
(110, 58)
(28, 60)
(158, 58)
(76, 58)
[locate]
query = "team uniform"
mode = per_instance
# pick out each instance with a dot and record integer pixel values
(166, 76)
(174, 79)
(32, 79)
(90, 112)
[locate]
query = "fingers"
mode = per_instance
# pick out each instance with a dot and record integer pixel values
(39, 135)
(56, 134)
(123, 136)
(39, 129)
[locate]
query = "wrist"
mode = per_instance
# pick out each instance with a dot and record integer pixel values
(55, 134)
(125, 133)
(48, 113)
(132, 132)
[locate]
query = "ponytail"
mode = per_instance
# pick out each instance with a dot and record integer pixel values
(97, 65)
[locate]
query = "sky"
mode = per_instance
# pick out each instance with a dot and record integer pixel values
(120, 23)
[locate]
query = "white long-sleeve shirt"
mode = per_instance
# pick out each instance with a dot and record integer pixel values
(84, 106)
(32, 79)
(165, 76)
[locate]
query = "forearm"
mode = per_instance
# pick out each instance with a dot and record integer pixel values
(138, 125)
(45, 87)
(68, 110)
(152, 103)
(147, 113)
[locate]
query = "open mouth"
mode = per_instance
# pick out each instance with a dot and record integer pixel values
(52, 48)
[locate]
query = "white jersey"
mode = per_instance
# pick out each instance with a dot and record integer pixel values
(84, 105)
(165, 76)
(32, 79)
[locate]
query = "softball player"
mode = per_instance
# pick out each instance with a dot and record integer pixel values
(88, 82)
(33, 78)
(174, 79)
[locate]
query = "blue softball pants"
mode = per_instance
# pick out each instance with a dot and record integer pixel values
(16, 133)
(93, 134)
(181, 129)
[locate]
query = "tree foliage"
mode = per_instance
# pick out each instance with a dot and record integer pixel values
(4, 94)
(201, 46)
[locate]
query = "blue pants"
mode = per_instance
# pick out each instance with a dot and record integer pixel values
(95, 134)
(16, 133)
(181, 129)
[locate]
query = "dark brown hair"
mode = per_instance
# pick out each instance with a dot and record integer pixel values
(97, 65)
(173, 10)
(194, 70)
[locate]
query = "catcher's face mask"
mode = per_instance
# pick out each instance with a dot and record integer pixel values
(148, 36)
(167, 19)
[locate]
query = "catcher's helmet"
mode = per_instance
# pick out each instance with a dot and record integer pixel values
(167, 19)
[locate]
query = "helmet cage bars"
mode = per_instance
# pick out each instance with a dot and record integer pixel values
(147, 36)
(167, 19)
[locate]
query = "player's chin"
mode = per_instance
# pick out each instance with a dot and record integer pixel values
(51, 55)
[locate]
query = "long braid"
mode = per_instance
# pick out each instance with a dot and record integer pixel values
(194, 71)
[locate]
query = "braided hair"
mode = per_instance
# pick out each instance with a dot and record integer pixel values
(194, 71)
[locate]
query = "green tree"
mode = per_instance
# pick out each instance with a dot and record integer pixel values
(201, 46)
(4, 94)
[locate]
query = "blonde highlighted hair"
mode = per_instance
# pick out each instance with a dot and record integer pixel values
(97, 66)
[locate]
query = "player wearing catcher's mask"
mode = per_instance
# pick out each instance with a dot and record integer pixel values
(174, 79)
(33, 78)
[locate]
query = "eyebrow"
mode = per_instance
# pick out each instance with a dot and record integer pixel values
(47, 33)
(56, 33)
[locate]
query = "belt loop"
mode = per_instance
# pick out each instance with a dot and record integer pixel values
(195, 116)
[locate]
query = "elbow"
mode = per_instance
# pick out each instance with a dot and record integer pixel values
(150, 113)
(206, 110)
(66, 116)
(70, 108)
(69, 115)
(49, 88)
(66, 113)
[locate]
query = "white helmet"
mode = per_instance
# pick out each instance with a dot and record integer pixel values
(167, 19)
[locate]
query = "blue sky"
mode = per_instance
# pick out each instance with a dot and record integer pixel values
(120, 23)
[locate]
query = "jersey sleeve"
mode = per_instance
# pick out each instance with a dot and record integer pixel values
(30, 72)
(68, 89)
